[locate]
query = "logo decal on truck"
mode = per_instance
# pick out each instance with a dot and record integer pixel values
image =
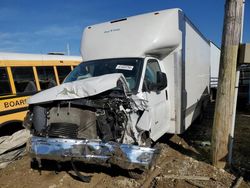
(112, 30)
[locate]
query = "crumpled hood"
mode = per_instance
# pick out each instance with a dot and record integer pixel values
(80, 88)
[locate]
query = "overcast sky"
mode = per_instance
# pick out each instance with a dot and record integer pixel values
(32, 26)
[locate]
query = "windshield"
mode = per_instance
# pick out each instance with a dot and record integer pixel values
(129, 67)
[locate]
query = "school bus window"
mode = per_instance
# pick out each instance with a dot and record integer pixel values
(46, 77)
(24, 79)
(63, 71)
(4, 82)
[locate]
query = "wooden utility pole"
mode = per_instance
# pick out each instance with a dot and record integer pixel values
(226, 86)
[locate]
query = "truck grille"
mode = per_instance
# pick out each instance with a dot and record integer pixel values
(63, 130)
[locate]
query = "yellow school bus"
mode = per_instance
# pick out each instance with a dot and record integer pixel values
(22, 75)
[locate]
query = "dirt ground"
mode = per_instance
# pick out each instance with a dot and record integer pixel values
(183, 162)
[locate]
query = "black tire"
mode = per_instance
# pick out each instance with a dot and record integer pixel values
(136, 174)
(39, 118)
(34, 164)
(200, 118)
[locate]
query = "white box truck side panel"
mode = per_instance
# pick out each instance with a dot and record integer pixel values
(196, 72)
(172, 66)
(214, 65)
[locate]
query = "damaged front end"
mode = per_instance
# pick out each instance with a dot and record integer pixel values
(97, 127)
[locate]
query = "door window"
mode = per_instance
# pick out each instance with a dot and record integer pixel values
(151, 73)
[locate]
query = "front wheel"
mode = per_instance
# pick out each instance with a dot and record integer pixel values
(136, 174)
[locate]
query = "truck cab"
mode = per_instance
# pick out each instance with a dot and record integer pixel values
(146, 80)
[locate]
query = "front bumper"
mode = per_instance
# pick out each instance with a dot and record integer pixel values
(126, 156)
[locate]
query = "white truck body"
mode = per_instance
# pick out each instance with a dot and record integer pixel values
(158, 65)
(183, 54)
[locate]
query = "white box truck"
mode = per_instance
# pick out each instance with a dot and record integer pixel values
(141, 77)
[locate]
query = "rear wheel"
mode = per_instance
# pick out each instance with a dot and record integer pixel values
(200, 118)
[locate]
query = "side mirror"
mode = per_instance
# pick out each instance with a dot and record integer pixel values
(161, 80)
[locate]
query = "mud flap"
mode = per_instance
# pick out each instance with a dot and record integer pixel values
(85, 179)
